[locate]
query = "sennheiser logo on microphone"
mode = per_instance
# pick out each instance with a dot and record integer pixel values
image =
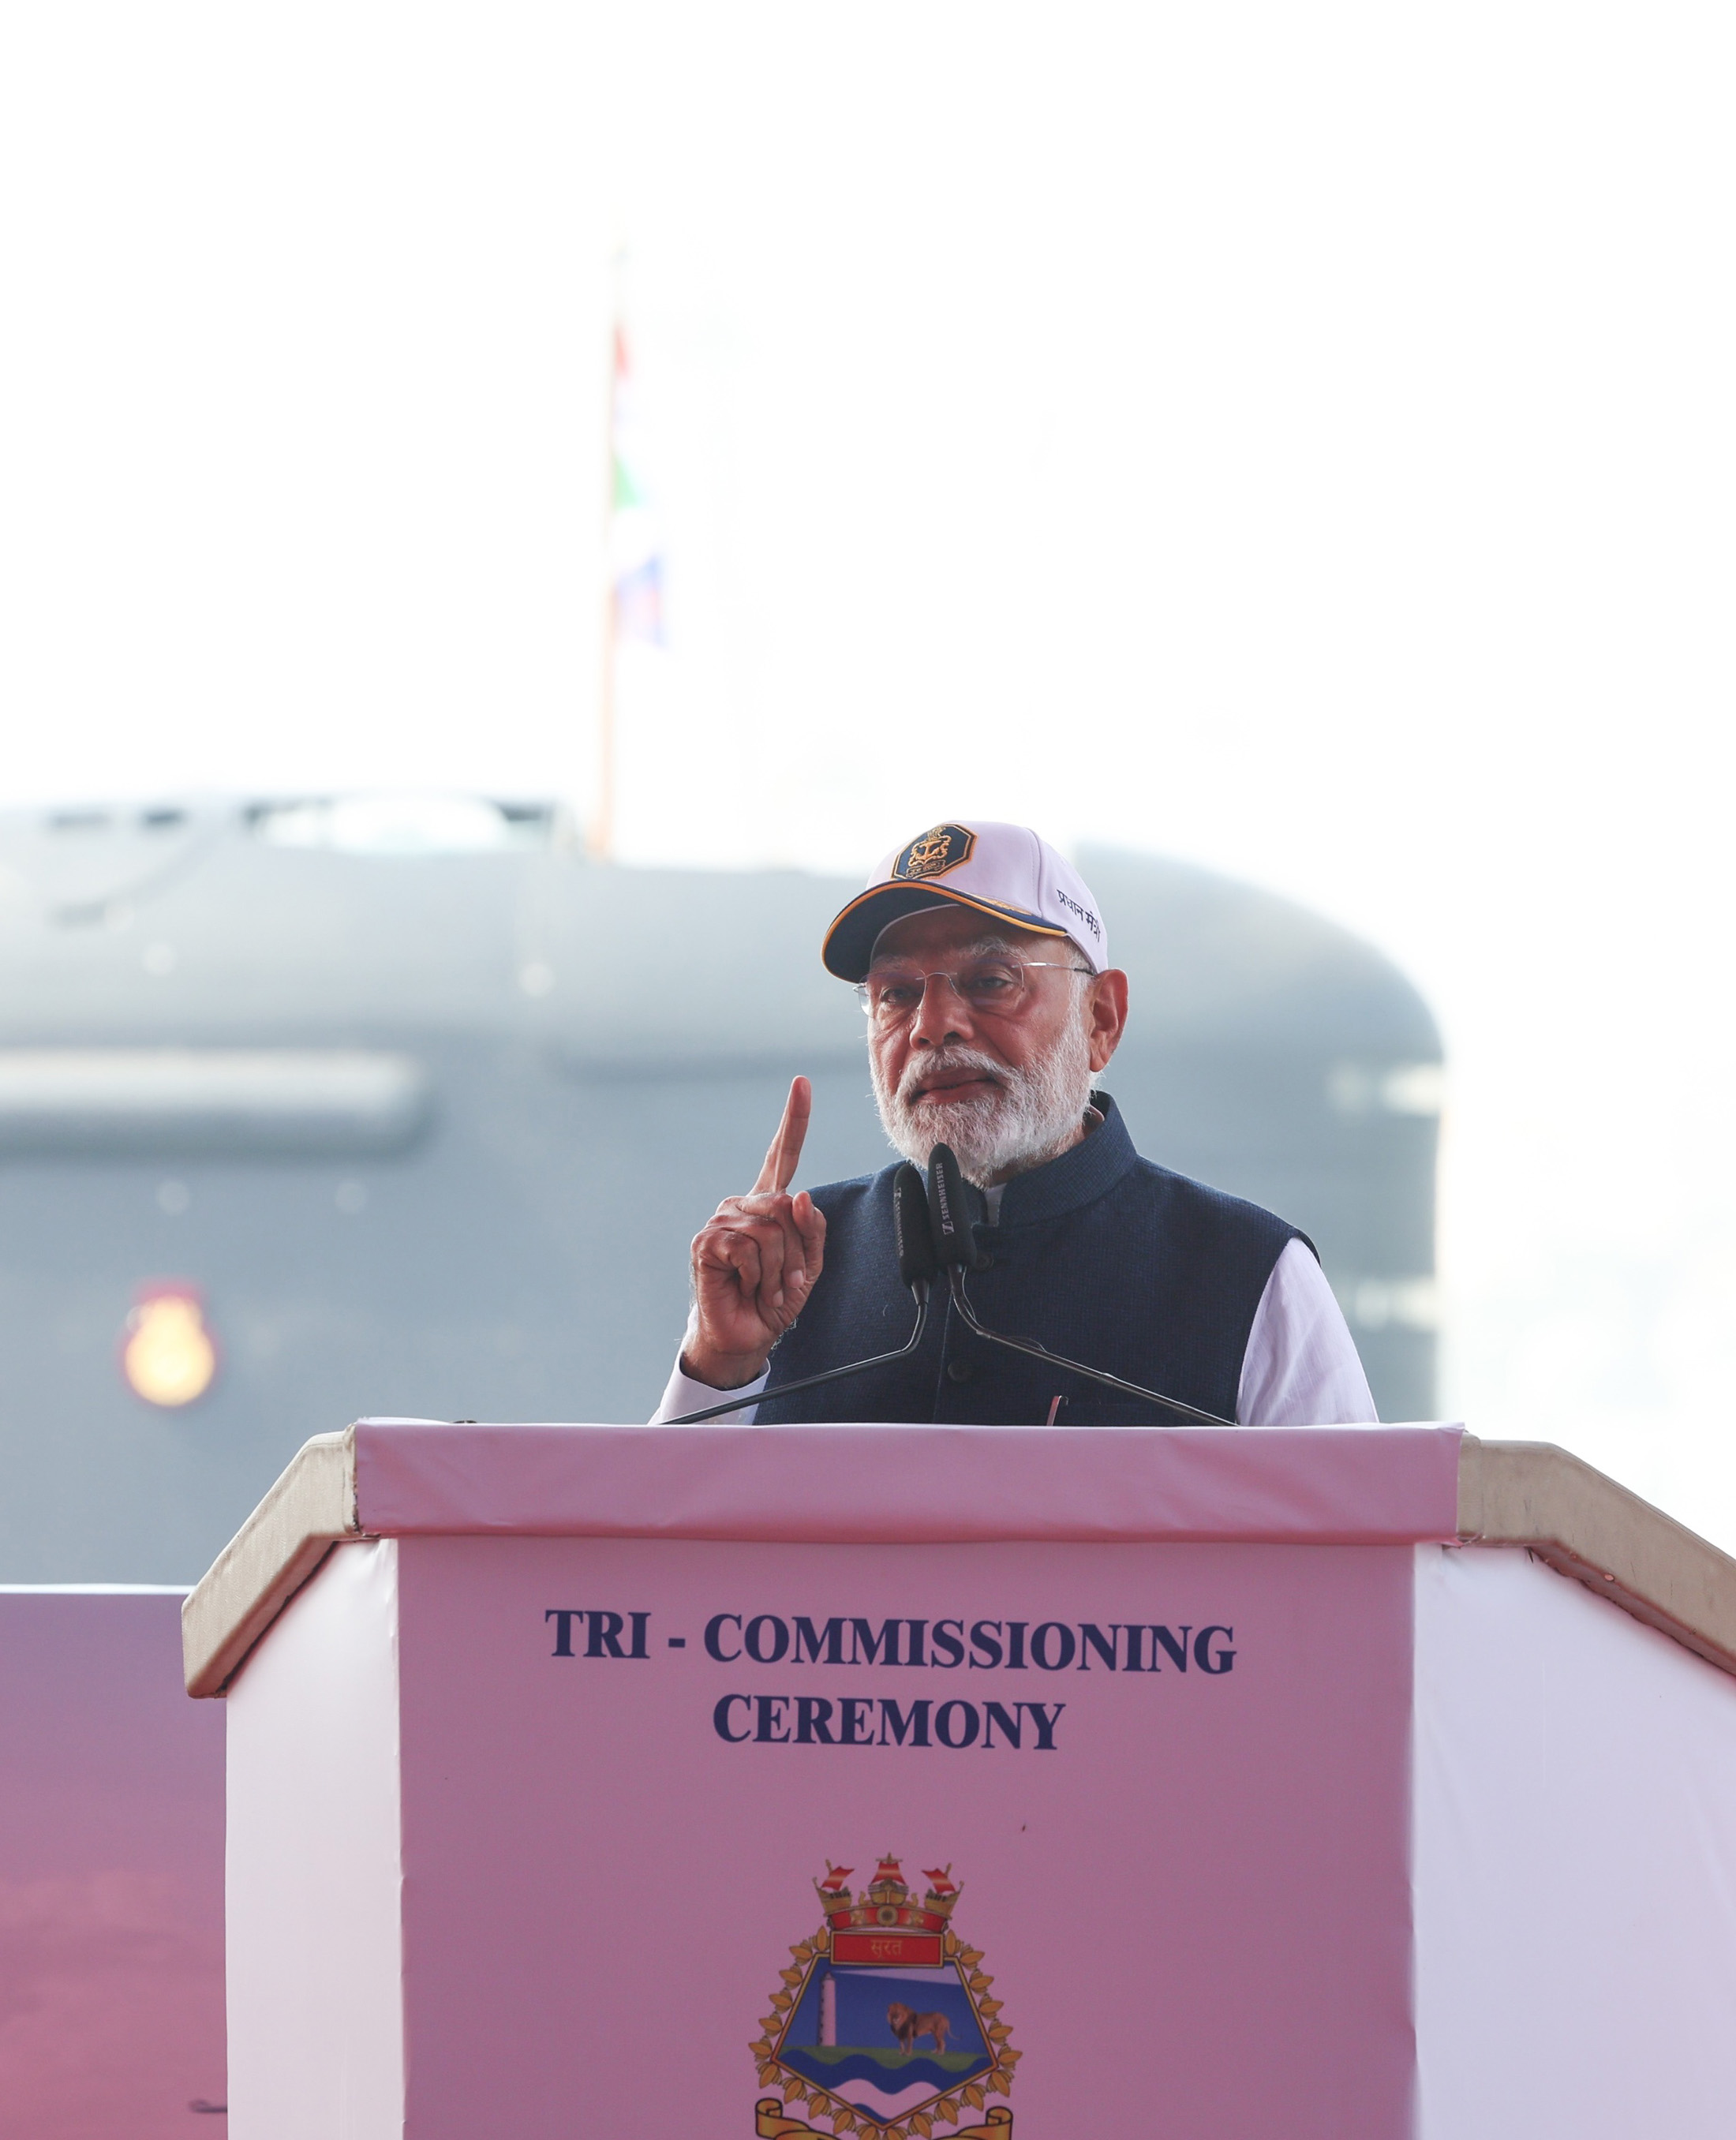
(946, 1216)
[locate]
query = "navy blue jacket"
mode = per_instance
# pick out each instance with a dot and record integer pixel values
(1098, 1254)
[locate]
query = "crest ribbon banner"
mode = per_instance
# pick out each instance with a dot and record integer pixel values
(770, 2123)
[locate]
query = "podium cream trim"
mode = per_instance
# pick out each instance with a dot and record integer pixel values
(1583, 1524)
(1527, 1494)
(310, 1509)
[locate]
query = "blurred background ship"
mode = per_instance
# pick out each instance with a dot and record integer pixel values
(323, 1106)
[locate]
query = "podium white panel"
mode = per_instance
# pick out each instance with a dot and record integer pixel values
(315, 1947)
(1576, 1862)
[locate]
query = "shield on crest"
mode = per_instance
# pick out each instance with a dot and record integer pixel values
(886, 2025)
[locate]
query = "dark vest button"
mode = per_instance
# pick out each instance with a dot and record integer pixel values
(960, 1371)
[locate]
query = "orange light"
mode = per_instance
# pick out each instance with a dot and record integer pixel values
(167, 1354)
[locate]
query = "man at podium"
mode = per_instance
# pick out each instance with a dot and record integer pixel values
(981, 960)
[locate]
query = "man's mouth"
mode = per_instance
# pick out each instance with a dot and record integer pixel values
(948, 1085)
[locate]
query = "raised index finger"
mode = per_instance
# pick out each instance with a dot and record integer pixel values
(785, 1149)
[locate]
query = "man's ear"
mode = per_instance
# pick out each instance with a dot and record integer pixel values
(1105, 1015)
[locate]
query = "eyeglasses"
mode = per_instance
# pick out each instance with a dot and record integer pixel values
(992, 988)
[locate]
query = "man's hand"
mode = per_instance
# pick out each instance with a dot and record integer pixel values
(755, 1263)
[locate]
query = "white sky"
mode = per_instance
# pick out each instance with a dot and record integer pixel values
(1297, 439)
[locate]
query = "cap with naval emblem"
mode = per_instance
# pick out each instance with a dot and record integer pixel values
(1004, 871)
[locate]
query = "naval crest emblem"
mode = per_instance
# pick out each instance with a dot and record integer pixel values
(884, 2023)
(933, 853)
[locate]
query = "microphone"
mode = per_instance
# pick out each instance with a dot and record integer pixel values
(917, 1264)
(916, 1268)
(953, 1235)
(956, 1249)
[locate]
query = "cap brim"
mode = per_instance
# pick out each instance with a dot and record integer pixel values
(850, 941)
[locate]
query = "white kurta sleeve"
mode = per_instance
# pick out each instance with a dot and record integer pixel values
(682, 1394)
(1301, 1368)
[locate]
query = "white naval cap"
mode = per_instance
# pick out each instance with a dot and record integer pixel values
(1003, 871)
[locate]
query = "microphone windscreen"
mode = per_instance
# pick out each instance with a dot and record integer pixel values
(916, 1264)
(949, 1211)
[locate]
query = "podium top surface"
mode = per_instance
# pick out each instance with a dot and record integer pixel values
(907, 1484)
(914, 1485)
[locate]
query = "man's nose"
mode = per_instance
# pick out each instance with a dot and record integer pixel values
(942, 1015)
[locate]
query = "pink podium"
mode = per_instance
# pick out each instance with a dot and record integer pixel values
(911, 1781)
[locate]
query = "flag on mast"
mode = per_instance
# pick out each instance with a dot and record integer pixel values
(635, 555)
(633, 610)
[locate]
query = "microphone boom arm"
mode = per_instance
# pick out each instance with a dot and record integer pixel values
(1036, 1352)
(920, 1292)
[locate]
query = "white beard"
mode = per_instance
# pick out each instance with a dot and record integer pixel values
(1036, 1113)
